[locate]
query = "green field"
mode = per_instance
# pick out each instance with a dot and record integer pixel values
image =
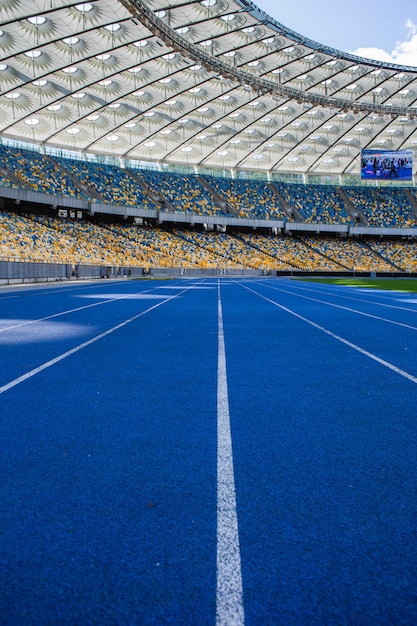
(389, 284)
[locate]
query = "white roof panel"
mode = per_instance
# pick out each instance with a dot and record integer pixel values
(210, 84)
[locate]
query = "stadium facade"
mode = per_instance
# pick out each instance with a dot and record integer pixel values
(209, 89)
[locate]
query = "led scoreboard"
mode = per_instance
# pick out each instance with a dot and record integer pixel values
(387, 164)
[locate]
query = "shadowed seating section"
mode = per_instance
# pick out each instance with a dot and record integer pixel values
(6, 181)
(350, 254)
(225, 250)
(316, 203)
(113, 184)
(248, 198)
(205, 195)
(184, 193)
(385, 207)
(32, 170)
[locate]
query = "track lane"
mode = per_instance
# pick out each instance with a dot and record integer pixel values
(109, 469)
(28, 332)
(396, 300)
(325, 472)
(389, 336)
(109, 477)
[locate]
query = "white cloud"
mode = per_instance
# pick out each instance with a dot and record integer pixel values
(404, 52)
(412, 28)
(374, 53)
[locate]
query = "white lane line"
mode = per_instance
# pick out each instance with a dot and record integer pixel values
(80, 308)
(49, 289)
(229, 597)
(64, 355)
(336, 294)
(345, 308)
(390, 366)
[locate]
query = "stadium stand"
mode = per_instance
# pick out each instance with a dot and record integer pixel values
(385, 207)
(181, 193)
(292, 252)
(401, 255)
(349, 254)
(249, 198)
(24, 240)
(226, 250)
(113, 185)
(316, 203)
(38, 237)
(29, 169)
(44, 238)
(205, 195)
(159, 248)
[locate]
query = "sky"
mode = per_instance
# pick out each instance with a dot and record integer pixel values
(385, 30)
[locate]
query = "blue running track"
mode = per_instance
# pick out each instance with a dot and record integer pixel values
(204, 452)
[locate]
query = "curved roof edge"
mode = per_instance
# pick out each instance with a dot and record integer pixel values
(256, 12)
(140, 10)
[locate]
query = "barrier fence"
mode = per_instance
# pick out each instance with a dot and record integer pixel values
(15, 272)
(12, 271)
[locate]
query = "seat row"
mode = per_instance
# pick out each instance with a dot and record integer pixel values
(38, 237)
(205, 195)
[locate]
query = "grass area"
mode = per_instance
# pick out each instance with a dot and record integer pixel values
(389, 284)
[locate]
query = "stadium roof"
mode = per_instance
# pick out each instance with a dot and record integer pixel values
(210, 83)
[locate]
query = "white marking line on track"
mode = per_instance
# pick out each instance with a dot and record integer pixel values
(80, 308)
(337, 294)
(345, 308)
(17, 291)
(390, 366)
(229, 597)
(64, 355)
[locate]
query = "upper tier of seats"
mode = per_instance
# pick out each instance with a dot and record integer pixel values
(28, 169)
(206, 195)
(315, 203)
(387, 207)
(247, 198)
(112, 185)
(182, 193)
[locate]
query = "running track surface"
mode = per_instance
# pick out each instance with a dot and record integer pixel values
(207, 452)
